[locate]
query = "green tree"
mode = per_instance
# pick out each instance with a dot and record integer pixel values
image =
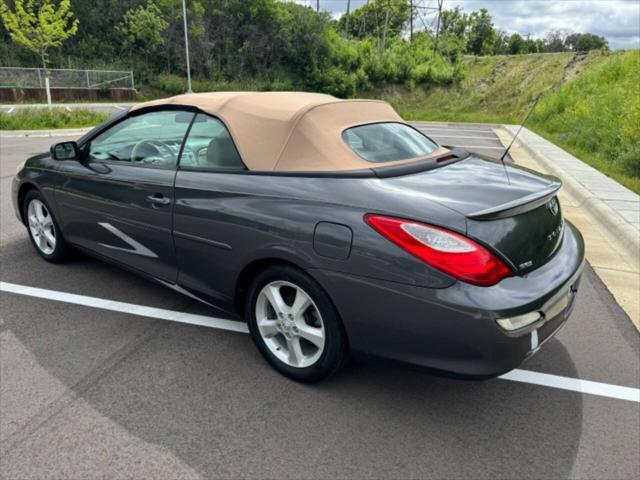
(143, 28)
(501, 43)
(583, 42)
(371, 20)
(38, 25)
(534, 45)
(482, 35)
(554, 41)
(517, 44)
(454, 24)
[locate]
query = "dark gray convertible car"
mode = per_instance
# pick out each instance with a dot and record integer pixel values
(331, 225)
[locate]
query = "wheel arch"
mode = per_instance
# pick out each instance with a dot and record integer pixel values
(25, 188)
(250, 271)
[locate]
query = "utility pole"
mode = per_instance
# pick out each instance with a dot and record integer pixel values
(411, 21)
(528, 35)
(186, 45)
(318, 6)
(346, 22)
(386, 26)
(435, 46)
(363, 26)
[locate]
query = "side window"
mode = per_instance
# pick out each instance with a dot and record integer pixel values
(210, 147)
(151, 139)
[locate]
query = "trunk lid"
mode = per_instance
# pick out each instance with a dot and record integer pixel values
(517, 216)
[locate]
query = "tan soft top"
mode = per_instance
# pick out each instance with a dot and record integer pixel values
(290, 131)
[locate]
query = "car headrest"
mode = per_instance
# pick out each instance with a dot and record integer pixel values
(222, 153)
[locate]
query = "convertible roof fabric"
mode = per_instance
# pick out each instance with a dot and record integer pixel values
(290, 131)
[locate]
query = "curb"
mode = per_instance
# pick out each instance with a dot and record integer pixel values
(603, 214)
(44, 133)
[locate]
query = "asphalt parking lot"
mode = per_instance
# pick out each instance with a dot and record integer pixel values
(472, 137)
(87, 392)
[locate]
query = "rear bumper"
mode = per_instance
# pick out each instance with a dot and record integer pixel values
(454, 329)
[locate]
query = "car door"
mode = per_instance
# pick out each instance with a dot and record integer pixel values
(118, 199)
(207, 236)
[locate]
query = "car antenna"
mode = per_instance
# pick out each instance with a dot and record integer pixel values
(533, 107)
(506, 152)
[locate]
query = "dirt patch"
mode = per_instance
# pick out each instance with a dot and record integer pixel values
(574, 67)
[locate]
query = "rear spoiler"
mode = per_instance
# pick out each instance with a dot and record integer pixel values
(521, 205)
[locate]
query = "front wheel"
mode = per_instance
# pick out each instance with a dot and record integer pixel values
(43, 228)
(294, 324)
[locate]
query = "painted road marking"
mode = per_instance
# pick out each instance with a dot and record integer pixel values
(480, 147)
(448, 129)
(574, 384)
(438, 135)
(524, 376)
(133, 309)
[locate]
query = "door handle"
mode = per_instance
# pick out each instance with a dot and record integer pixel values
(159, 199)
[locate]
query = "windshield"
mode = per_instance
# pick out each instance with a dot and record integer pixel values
(387, 142)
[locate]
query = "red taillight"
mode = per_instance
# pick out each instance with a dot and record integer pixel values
(450, 252)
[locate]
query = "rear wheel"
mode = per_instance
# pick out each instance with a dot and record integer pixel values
(294, 324)
(43, 228)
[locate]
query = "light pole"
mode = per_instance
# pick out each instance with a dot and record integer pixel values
(186, 45)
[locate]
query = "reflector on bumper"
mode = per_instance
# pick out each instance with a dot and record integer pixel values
(520, 321)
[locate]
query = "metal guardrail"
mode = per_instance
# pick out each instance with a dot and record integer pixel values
(18, 77)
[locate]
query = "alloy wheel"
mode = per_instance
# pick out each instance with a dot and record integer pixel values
(290, 324)
(41, 226)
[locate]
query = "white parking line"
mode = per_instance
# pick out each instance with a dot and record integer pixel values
(574, 384)
(524, 376)
(452, 129)
(442, 135)
(133, 309)
(478, 147)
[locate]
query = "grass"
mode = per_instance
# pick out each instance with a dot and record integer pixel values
(593, 110)
(495, 89)
(596, 116)
(43, 118)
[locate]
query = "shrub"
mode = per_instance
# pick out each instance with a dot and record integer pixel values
(629, 161)
(171, 84)
(334, 81)
(43, 118)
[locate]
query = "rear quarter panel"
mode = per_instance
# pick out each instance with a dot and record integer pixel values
(223, 222)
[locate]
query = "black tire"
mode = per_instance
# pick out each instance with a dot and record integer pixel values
(335, 353)
(61, 250)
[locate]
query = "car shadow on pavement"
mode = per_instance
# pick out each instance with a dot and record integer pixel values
(208, 398)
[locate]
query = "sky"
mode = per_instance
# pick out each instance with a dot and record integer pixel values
(616, 20)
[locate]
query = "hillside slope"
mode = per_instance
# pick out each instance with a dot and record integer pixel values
(590, 106)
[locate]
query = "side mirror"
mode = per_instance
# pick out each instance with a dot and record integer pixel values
(64, 151)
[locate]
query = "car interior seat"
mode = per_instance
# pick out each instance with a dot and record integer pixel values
(222, 153)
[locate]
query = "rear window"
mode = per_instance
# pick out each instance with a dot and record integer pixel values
(387, 142)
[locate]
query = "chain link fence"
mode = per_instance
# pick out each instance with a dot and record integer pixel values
(17, 77)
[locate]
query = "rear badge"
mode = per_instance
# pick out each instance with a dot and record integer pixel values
(552, 206)
(526, 264)
(556, 232)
